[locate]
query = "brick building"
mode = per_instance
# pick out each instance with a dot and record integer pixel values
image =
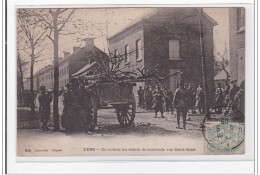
(68, 65)
(237, 43)
(169, 37)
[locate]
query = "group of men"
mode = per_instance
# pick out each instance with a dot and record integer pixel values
(229, 99)
(163, 100)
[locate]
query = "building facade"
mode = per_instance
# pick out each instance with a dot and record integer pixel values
(170, 38)
(237, 43)
(68, 65)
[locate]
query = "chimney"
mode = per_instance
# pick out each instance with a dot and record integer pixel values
(66, 54)
(75, 49)
(89, 42)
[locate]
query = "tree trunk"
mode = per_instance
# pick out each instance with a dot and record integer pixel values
(31, 85)
(56, 78)
(21, 73)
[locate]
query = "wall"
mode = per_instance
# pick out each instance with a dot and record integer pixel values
(129, 38)
(157, 49)
(237, 48)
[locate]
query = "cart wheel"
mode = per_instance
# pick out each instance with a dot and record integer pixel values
(126, 113)
(93, 112)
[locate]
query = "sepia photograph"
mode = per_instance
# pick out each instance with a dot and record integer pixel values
(130, 81)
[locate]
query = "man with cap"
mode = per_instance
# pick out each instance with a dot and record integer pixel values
(232, 93)
(141, 96)
(158, 100)
(180, 103)
(44, 109)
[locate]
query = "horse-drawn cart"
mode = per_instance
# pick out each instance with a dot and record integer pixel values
(114, 95)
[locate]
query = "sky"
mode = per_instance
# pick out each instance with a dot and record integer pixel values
(102, 23)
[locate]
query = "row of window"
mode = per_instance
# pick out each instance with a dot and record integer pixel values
(174, 51)
(47, 76)
(64, 70)
(137, 51)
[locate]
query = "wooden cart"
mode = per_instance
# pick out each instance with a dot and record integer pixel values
(114, 95)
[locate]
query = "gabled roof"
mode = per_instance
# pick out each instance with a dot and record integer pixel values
(149, 15)
(84, 69)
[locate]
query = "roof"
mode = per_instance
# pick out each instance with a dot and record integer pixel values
(150, 14)
(84, 69)
(222, 75)
(136, 21)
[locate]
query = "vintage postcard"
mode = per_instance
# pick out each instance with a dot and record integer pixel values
(130, 81)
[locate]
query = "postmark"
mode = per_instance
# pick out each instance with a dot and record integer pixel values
(224, 134)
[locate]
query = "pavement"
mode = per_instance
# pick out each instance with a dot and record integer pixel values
(144, 124)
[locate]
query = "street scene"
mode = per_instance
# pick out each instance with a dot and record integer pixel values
(162, 74)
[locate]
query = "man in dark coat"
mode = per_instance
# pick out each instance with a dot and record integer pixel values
(239, 101)
(158, 101)
(219, 98)
(141, 96)
(232, 93)
(180, 103)
(148, 98)
(44, 109)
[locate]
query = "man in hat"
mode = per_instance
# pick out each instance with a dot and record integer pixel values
(239, 100)
(141, 96)
(158, 100)
(232, 93)
(44, 109)
(180, 103)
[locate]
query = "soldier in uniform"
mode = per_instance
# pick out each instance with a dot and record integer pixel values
(44, 109)
(180, 103)
(158, 100)
(148, 98)
(141, 96)
(232, 93)
(191, 99)
(239, 100)
(219, 99)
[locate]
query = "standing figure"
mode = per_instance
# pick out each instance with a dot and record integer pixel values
(66, 120)
(158, 101)
(219, 99)
(191, 99)
(199, 98)
(148, 98)
(75, 108)
(239, 101)
(140, 93)
(180, 103)
(170, 98)
(232, 94)
(44, 108)
(166, 99)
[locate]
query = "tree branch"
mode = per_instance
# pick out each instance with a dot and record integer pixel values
(71, 13)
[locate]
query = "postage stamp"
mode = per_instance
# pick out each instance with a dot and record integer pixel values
(224, 135)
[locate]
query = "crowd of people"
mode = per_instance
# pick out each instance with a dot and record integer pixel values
(76, 115)
(185, 99)
(229, 99)
(161, 98)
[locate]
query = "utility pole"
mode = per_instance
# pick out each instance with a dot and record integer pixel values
(203, 64)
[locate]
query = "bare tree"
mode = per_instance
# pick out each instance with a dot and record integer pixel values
(221, 62)
(53, 21)
(31, 35)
